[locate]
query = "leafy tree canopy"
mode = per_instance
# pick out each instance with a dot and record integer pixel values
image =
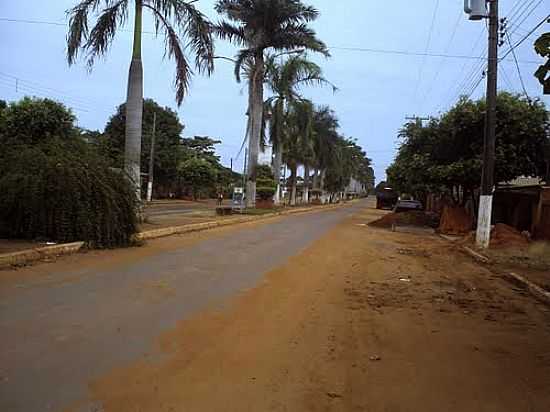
(445, 156)
(198, 174)
(542, 47)
(55, 185)
(32, 120)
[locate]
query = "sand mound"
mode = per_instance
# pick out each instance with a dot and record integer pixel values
(502, 236)
(455, 221)
(506, 236)
(412, 218)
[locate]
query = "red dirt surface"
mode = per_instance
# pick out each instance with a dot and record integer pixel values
(413, 218)
(506, 236)
(455, 221)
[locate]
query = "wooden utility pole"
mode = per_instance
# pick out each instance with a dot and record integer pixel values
(483, 233)
(152, 160)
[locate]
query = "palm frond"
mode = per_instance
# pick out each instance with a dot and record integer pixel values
(231, 33)
(174, 50)
(193, 25)
(294, 36)
(78, 27)
(244, 61)
(103, 33)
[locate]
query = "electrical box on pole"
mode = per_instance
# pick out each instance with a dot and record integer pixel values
(476, 9)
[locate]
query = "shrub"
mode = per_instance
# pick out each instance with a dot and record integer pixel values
(64, 191)
(55, 186)
(265, 193)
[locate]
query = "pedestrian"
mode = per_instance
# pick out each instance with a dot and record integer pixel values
(220, 198)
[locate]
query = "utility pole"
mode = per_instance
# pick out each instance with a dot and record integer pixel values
(483, 234)
(477, 11)
(152, 160)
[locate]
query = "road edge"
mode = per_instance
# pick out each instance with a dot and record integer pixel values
(534, 289)
(23, 257)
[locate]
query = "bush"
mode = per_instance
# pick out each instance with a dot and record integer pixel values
(64, 192)
(265, 193)
(55, 186)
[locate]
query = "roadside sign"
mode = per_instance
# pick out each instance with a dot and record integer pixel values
(238, 190)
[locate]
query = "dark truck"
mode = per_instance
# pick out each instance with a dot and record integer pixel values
(386, 198)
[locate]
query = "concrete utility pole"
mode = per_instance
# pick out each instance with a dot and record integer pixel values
(483, 234)
(152, 160)
(477, 11)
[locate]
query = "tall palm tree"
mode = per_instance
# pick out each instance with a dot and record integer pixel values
(298, 144)
(325, 125)
(258, 26)
(285, 80)
(176, 18)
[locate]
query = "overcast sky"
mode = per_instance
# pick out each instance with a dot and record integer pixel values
(377, 90)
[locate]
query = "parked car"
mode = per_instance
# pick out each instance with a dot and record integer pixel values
(407, 205)
(386, 198)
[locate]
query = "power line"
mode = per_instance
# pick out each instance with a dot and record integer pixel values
(506, 78)
(544, 20)
(358, 49)
(527, 15)
(474, 88)
(517, 65)
(36, 86)
(440, 67)
(22, 86)
(457, 89)
(420, 54)
(428, 42)
(53, 23)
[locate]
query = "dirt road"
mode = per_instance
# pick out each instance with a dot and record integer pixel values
(361, 319)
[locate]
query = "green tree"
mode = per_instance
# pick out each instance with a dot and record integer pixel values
(542, 47)
(260, 26)
(199, 175)
(267, 185)
(176, 18)
(55, 185)
(298, 144)
(445, 156)
(168, 143)
(33, 120)
(285, 81)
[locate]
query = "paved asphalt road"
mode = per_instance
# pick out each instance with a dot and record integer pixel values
(63, 324)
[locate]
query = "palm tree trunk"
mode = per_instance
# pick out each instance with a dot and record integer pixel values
(277, 162)
(256, 104)
(316, 178)
(134, 108)
(306, 184)
(293, 180)
(322, 185)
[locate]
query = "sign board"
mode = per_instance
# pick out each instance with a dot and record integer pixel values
(238, 190)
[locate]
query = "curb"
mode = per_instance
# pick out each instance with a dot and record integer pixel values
(477, 256)
(31, 255)
(197, 227)
(8, 260)
(535, 290)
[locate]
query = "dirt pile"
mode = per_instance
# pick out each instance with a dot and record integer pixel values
(412, 218)
(506, 236)
(455, 220)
